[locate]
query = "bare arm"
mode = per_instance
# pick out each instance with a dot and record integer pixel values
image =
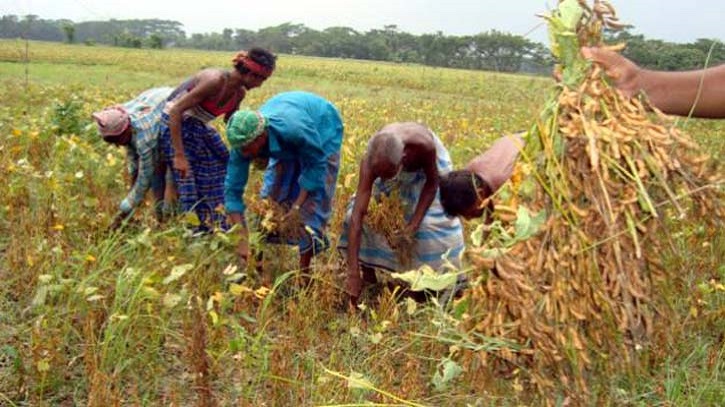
(677, 92)
(208, 84)
(243, 247)
(301, 198)
(671, 92)
(428, 193)
(359, 209)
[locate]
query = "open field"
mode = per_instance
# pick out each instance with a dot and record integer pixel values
(145, 316)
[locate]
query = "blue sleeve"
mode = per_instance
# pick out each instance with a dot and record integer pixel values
(144, 172)
(304, 135)
(236, 182)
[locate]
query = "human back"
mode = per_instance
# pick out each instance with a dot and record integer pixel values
(300, 112)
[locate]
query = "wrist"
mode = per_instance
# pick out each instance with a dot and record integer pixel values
(634, 83)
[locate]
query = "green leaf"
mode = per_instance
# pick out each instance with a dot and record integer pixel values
(358, 381)
(447, 371)
(90, 290)
(40, 295)
(177, 272)
(495, 252)
(214, 318)
(461, 308)
(425, 278)
(477, 236)
(45, 278)
(570, 12)
(527, 188)
(13, 354)
(171, 300)
(192, 219)
(410, 306)
(43, 365)
(142, 239)
(527, 226)
(91, 202)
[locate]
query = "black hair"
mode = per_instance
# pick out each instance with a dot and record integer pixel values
(260, 56)
(462, 189)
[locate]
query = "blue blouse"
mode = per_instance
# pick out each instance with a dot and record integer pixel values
(301, 126)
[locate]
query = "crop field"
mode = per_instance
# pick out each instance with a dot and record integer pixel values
(148, 315)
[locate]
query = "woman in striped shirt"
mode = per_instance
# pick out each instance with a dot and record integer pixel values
(135, 125)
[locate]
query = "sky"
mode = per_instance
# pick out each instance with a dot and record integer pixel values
(669, 20)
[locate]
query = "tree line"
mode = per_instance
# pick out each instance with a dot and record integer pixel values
(492, 50)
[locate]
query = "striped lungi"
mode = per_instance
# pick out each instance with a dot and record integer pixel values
(439, 239)
(316, 209)
(202, 190)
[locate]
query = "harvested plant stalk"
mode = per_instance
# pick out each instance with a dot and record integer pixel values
(272, 218)
(386, 216)
(609, 171)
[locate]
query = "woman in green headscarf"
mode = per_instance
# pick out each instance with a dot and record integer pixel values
(301, 134)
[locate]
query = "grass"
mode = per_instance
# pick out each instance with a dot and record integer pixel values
(147, 316)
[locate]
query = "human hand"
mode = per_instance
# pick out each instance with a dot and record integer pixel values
(291, 225)
(623, 72)
(292, 215)
(402, 238)
(181, 164)
(118, 221)
(243, 253)
(353, 286)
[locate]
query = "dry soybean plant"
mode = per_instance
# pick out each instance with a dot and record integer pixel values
(386, 216)
(272, 219)
(581, 295)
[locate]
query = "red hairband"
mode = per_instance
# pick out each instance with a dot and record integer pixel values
(255, 67)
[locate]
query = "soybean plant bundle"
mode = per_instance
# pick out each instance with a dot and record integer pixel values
(271, 215)
(386, 216)
(610, 172)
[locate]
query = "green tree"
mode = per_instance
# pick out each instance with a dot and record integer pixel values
(244, 39)
(280, 38)
(498, 51)
(341, 42)
(70, 32)
(714, 48)
(155, 41)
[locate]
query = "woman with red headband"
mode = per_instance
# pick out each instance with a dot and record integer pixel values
(194, 149)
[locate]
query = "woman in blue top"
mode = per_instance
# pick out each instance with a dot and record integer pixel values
(301, 134)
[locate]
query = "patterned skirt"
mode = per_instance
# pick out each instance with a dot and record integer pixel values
(315, 211)
(439, 239)
(202, 190)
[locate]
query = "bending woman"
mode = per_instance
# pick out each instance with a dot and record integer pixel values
(192, 147)
(301, 133)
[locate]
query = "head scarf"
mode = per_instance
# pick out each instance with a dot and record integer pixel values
(244, 127)
(112, 121)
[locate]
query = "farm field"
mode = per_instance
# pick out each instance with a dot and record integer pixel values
(147, 316)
